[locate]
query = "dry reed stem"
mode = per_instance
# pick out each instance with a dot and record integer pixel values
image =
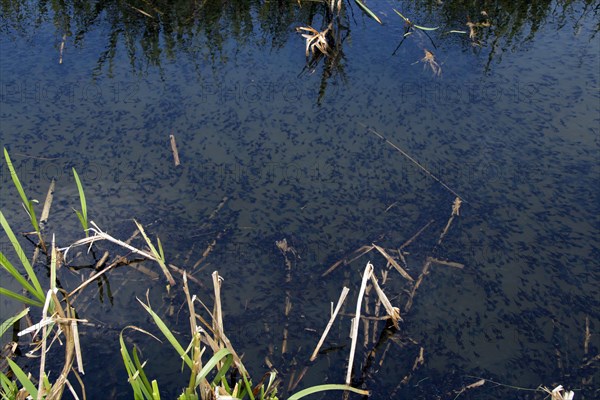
(447, 263)
(473, 385)
(44, 338)
(217, 311)
(405, 154)
(455, 213)
(43, 218)
(207, 251)
(393, 262)
(295, 383)
(424, 272)
(190, 303)
(366, 275)
(393, 312)
(361, 252)
(174, 150)
(102, 260)
(420, 360)
(48, 202)
(93, 278)
(416, 235)
(61, 49)
(368, 311)
(587, 336)
(338, 306)
(218, 329)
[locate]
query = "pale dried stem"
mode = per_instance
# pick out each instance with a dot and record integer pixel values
(338, 306)
(366, 275)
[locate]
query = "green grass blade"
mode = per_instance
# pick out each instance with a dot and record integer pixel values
(424, 28)
(18, 277)
(19, 250)
(22, 377)
(9, 388)
(160, 249)
(15, 178)
(130, 368)
(155, 391)
(402, 16)
(19, 297)
(10, 321)
(159, 256)
(224, 369)
(321, 388)
(168, 334)
(211, 363)
(28, 204)
(368, 11)
(83, 218)
(248, 386)
(142, 374)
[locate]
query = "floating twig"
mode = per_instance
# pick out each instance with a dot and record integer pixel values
(405, 154)
(174, 150)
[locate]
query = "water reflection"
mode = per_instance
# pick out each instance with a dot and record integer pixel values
(154, 32)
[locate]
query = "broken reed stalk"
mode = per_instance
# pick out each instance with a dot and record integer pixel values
(393, 262)
(455, 212)
(405, 154)
(207, 251)
(367, 311)
(341, 300)
(424, 272)
(393, 312)
(366, 275)
(44, 216)
(61, 49)
(416, 235)
(283, 246)
(174, 150)
(361, 251)
(587, 336)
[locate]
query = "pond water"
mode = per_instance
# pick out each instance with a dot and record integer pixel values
(506, 118)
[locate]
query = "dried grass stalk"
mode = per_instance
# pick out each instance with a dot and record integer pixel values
(393, 312)
(361, 251)
(394, 263)
(366, 275)
(447, 263)
(338, 306)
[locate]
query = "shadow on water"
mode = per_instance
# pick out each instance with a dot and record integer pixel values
(509, 119)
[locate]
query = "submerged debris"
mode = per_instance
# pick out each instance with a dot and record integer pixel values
(430, 60)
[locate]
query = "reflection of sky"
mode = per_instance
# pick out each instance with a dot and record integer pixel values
(518, 142)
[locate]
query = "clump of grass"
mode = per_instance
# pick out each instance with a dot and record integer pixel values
(208, 380)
